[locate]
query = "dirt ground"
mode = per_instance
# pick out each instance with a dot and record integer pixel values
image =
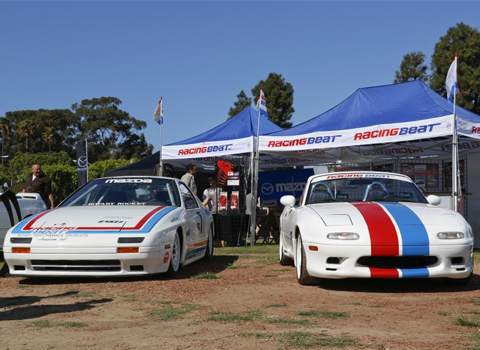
(254, 303)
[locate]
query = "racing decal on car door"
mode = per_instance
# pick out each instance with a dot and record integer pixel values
(385, 238)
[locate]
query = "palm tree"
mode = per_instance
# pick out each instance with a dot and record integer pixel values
(24, 131)
(49, 136)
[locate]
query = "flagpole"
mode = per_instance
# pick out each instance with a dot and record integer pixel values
(160, 172)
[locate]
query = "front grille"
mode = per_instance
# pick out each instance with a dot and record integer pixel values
(76, 265)
(398, 262)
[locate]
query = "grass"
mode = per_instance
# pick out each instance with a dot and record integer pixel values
(277, 305)
(289, 321)
(305, 340)
(171, 313)
(248, 250)
(227, 317)
(324, 314)
(467, 322)
(48, 324)
(476, 256)
(206, 276)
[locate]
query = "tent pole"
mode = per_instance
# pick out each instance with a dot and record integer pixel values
(252, 199)
(454, 156)
(160, 172)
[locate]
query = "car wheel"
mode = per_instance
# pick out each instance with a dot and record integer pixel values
(209, 250)
(176, 256)
(284, 260)
(301, 263)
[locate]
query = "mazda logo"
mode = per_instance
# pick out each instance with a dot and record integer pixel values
(267, 188)
(82, 162)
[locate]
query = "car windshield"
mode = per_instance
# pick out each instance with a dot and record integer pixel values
(362, 188)
(125, 191)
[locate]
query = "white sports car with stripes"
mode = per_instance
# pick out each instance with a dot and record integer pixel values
(115, 226)
(372, 225)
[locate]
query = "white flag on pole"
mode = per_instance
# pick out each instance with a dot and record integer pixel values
(451, 83)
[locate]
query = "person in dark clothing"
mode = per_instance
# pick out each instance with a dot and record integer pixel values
(40, 183)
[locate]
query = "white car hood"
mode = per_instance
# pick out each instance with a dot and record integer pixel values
(90, 220)
(346, 214)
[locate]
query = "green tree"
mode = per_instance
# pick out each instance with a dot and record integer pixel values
(62, 124)
(243, 101)
(21, 164)
(413, 67)
(465, 41)
(99, 169)
(279, 97)
(110, 132)
(4, 131)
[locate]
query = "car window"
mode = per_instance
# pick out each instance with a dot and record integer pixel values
(188, 197)
(358, 189)
(126, 191)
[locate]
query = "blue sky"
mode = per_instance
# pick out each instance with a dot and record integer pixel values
(199, 55)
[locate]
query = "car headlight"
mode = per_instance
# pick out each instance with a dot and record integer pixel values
(344, 236)
(450, 235)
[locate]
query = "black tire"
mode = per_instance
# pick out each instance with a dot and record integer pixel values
(176, 257)
(284, 260)
(209, 250)
(4, 270)
(301, 266)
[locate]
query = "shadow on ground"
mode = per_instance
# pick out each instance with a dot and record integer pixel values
(21, 308)
(411, 285)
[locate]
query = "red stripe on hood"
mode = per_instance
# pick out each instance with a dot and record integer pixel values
(383, 235)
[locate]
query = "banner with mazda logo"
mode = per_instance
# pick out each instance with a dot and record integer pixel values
(82, 162)
(275, 184)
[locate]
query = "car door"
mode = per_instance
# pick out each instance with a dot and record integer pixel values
(194, 221)
(287, 226)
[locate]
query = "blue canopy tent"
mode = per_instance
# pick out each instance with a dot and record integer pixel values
(233, 137)
(381, 121)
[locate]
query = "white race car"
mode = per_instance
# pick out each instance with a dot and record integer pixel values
(372, 225)
(27, 205)
(115, 226)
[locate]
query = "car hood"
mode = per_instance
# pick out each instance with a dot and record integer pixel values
(89, 220)
(348, 214)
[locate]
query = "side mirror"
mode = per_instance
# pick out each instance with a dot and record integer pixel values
(288, 201)
(434, 200)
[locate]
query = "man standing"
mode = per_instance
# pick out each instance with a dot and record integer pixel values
(40, 183)
(189, 178)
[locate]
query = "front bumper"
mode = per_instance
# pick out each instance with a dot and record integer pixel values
(334, 262)
(97, 262)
